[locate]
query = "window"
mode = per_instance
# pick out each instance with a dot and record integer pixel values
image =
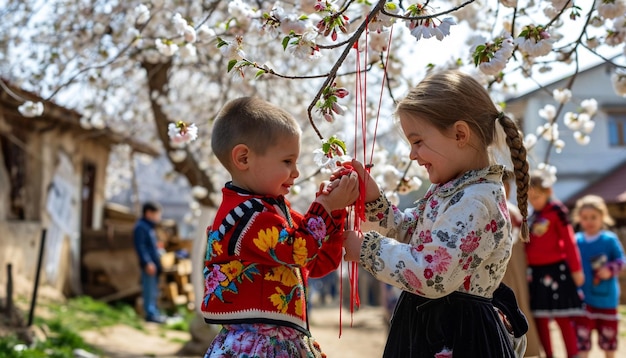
(617, 128)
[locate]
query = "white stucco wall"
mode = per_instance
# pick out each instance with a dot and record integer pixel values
(577, 165)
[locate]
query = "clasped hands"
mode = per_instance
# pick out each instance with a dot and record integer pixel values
(342, 180)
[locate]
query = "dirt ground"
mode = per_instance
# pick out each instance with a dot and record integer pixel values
(366, 337)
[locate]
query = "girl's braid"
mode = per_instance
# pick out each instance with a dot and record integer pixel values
(522, 177)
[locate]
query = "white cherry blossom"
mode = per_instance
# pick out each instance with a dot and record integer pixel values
(562, 95)
(570, 119)
(559, 144)
(530, 140)
(165, 48)
(590, 106)
(199, 192)
(535, 48)
(548, 112)
(619, 83)
(177, 155)
(610, 9)
(548, 174)
(142, 14)
(581, 138)
(31, 109)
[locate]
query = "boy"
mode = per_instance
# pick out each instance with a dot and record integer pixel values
(145, 241)
(260, 252)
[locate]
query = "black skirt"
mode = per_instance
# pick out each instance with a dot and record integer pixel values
(553, 292)
(465, 325)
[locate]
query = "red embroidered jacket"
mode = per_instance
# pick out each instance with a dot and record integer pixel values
(552, 238)
(259, 255)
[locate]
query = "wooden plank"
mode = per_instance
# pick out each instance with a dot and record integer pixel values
(122, 294)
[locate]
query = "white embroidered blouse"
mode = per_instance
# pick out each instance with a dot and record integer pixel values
(457, 238)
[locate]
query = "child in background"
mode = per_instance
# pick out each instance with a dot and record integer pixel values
(554, 267)
(515, 275)
(602, 257)
(260, 252)
(449, 253)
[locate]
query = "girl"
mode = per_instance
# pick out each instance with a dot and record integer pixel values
(602, 258)
(449, 253)
(554, 268)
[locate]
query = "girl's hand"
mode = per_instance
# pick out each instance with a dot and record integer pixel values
(578, 277)
(372, 192)
(604, 273)
(352, 244)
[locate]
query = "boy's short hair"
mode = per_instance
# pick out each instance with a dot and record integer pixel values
(150, 207)
(250, 121)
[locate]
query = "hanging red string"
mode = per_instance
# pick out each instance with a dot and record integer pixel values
(357, 213)
(380, 98)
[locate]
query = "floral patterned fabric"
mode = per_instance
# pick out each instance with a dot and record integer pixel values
(458, 238)
(262, 341)
(448, 254)
(259, 256)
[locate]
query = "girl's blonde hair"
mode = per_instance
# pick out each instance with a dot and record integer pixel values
(592, 202)
(445, 97)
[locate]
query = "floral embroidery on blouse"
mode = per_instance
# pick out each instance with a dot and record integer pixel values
(452, 240)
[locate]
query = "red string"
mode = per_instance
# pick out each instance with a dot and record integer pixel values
(380, 99)
(358, 212)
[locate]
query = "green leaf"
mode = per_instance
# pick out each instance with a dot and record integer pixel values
(286, 42)
(221, 42)
(390, 6)
(259, 73)
(231, 64)
(337, 142)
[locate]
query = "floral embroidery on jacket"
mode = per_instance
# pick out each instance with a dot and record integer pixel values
(259, 255)
(222, 278)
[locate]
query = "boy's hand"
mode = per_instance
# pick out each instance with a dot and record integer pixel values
(150, 269)
(339, 193)
(352, 244)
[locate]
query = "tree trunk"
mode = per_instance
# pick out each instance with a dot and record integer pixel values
(202, 334)
(157, 82)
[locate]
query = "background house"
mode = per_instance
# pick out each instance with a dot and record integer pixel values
(596, 168)
(52, 176)
(579, 166)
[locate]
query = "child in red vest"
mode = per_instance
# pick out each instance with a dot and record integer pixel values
(260, 252)
(554, 266)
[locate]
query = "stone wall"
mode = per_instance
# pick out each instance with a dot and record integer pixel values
(20, 243)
